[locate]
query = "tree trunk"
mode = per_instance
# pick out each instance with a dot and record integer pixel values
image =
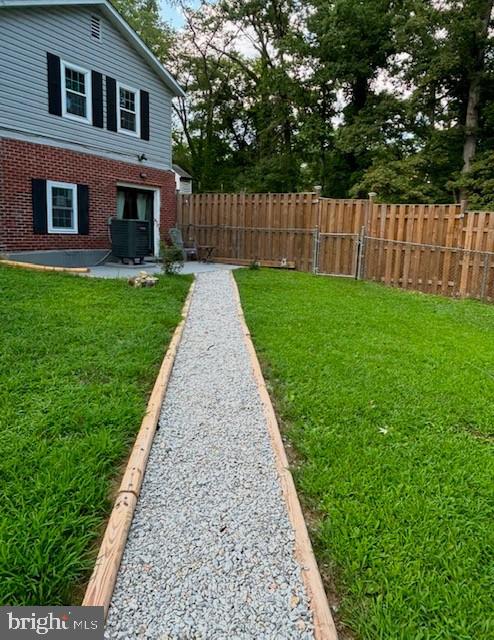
(471, 124)
(472, 113)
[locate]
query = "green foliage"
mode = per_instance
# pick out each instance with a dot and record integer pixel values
(386, 396)
(285, 94)
(144, 17)
(479, 183)
(172, 259)
(331, 93)
(398, 181)
(79, 357)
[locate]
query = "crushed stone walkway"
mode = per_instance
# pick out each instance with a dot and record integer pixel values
(210, 553)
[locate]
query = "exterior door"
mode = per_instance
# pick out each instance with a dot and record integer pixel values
(137, 204)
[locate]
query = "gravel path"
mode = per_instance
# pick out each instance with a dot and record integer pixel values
(210, 551)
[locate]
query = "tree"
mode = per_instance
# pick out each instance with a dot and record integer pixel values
(480, 18)
(449, 46)
(214, 124)
(267, 26)
(478, 182)
(144, 17)
(395, 96)
(353, 43)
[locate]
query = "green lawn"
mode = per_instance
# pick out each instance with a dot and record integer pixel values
(388, 398)
(78, 359)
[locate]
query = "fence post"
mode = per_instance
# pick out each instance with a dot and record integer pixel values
(361, 254)
(483, 285)
(317, 191)
(467, 250)
(242, 221)
(370, 211)
(315, 250)
(316, 239)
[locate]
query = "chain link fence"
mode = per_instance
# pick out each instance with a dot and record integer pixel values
(430, 268)
(451, 271)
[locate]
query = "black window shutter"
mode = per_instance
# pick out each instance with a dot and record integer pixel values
(38, 192)
(144, 115)
(83, 209)
(54, 84)
(97, 98)
(111, 103)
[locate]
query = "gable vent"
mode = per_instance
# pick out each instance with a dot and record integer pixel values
(95, 28)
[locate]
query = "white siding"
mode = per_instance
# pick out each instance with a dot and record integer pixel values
(185, 186)
(27, 34)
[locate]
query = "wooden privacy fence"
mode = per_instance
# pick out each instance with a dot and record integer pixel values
(432, 248)
(266, 227)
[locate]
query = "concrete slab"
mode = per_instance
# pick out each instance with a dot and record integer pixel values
(60, 257)
(115, 270)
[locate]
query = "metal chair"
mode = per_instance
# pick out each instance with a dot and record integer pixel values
(189, 249)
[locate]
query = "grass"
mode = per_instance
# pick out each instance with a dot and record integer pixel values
(78, 360)
(388, 399)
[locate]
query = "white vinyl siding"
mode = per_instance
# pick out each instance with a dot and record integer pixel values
(185, 186)
(27, 34)
(61, 206)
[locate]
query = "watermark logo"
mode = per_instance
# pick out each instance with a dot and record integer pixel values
(30, 623)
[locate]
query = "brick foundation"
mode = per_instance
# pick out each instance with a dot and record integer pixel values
(22, 161)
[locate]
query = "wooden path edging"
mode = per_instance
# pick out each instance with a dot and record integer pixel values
(324, 626)
(43, 267)
(102, 582)
(274, 264)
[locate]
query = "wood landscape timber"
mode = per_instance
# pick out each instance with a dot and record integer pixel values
(102, 582)
(324, 626)
(274, 264)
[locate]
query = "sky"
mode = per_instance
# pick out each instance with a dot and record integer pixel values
(172, 14)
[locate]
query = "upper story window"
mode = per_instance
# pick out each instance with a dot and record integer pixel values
(61, 207)
(76, 94)
(128, 110)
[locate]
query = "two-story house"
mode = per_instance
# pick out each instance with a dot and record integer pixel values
(85, 127)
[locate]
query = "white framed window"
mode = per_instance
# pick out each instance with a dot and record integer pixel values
(76, 92)
(129, 115)
(61, 207)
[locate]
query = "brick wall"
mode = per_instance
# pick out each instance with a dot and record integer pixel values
(21, 161)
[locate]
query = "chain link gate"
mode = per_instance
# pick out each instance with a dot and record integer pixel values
(339, 254)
